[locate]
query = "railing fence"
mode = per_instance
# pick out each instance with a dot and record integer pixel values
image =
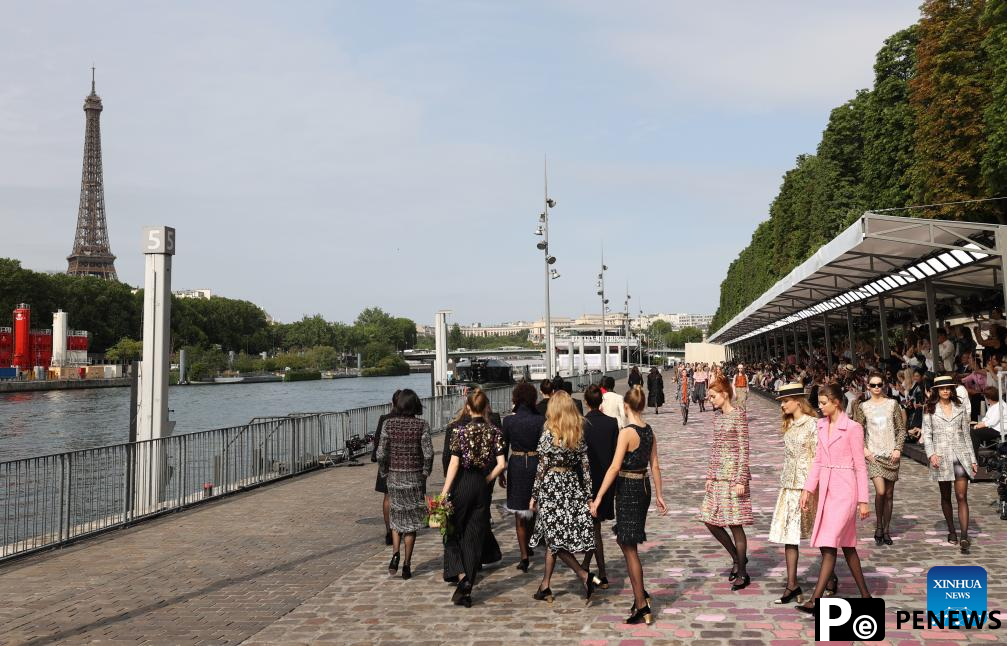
(49, 500)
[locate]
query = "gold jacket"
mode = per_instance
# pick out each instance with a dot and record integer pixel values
(800, 443)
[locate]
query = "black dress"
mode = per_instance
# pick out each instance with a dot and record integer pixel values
(655, 390)
(477, 445)
(601, 433)
(521, 432)
(466, 483)
(381, 482)
(632, 495)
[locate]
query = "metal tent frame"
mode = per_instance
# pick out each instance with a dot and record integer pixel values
(890, 262)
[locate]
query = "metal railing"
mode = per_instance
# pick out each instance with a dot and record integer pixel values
(53, 499)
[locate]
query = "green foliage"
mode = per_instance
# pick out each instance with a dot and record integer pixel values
(949, 94)
(491, 342)
(388, 366)
(455, 338)
(659, 329)
(302, 375)
(125, 350)
(994, 161)
(932, 129)
(678, 339)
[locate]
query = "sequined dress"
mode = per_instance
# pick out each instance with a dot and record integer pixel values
(632, 495)
(728, 467)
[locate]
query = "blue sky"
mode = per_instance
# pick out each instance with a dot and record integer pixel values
(327, 156)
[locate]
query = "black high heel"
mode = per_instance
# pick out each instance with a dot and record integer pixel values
(462, 596)
(888, 539)
(789, 595)
(543, 595)
(523, 565)
(805, 609)
(744, 582)
(393, 565)
(953, 538)
(589, 587)
(832, 587)
(878, 538)
(965, 544)
(407, 572)
(734, 570)
(602, 583)
(640, 616)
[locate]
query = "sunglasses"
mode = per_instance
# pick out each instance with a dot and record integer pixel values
(875, 384)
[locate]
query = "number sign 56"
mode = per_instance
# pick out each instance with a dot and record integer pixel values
(159, 240)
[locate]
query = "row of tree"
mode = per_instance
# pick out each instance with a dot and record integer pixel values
(112, 313)
(672, 338)
(931, 130)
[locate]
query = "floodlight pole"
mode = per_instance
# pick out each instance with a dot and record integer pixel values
(883, 316)
(931, 294)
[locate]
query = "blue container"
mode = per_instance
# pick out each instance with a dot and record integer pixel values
(8, 373)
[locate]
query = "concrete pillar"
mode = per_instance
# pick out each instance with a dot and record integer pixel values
(828, 343)
(931, 294)
(440, 352)
(152, 414)
(849, 331)
(882, 315)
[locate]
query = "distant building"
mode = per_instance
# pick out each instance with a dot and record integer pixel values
(677, 321)
(205, 294)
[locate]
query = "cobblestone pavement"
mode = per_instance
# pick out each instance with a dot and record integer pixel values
(304, 562)
(685, 571)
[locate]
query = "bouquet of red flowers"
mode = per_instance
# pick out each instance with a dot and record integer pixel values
(439, 510)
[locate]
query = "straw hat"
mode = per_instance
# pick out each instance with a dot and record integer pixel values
(944, 381)
(793, 389)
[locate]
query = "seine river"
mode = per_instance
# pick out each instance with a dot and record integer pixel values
(40, 423)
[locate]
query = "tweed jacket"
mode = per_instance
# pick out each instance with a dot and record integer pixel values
(949, 437)
(897, 423)
(405, 446)
(799, 444)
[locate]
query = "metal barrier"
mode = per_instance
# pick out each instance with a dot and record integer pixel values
(53, 499)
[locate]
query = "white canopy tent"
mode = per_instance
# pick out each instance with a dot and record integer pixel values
(879, 261)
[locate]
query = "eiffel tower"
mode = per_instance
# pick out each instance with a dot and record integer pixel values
(91, 253)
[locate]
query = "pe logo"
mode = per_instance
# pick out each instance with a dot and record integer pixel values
(960, 588)
(839, 619)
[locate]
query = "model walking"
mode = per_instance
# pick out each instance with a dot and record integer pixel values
(839, 477)
(699, 384)
(949, 448)
(727, 504)
(521, 433)
(884, 434)
(380, 483)
(791, 524)
(655, 390)
(601, 433)
(476, 461)
(562, 493)
(635, 448)
(406, 456)
(683, 393)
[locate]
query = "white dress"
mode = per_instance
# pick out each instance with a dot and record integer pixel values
(790, 524)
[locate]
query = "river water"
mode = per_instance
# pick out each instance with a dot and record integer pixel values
(41, 423)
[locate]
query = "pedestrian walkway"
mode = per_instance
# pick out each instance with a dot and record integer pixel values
(304, 562)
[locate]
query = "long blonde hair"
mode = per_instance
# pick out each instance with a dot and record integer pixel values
(563, 420)
(806, 408)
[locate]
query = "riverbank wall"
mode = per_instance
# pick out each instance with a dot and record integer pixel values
(60, 384)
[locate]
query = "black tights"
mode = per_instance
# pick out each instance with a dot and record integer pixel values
(599, 552)
(635, 570)
(737, 548)
(566, 557)
(829, 567)
(884, 500)
(961, 487)
(409, 540)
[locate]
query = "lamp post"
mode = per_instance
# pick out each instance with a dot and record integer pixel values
(604, 304)
(629, 336)
(550, 274)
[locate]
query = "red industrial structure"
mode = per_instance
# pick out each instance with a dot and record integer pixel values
(24, 348)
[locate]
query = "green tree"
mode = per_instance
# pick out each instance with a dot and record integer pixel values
(125, 350)
(994, 160)
(455, 338)
(950, 95)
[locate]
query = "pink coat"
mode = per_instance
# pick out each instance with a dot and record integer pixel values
(840, 476)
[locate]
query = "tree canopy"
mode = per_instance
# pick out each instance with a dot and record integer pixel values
(931, 130)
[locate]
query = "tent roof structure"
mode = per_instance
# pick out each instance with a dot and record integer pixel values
(879, 255)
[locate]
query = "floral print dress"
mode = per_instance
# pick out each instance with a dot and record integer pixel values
(562, 493)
